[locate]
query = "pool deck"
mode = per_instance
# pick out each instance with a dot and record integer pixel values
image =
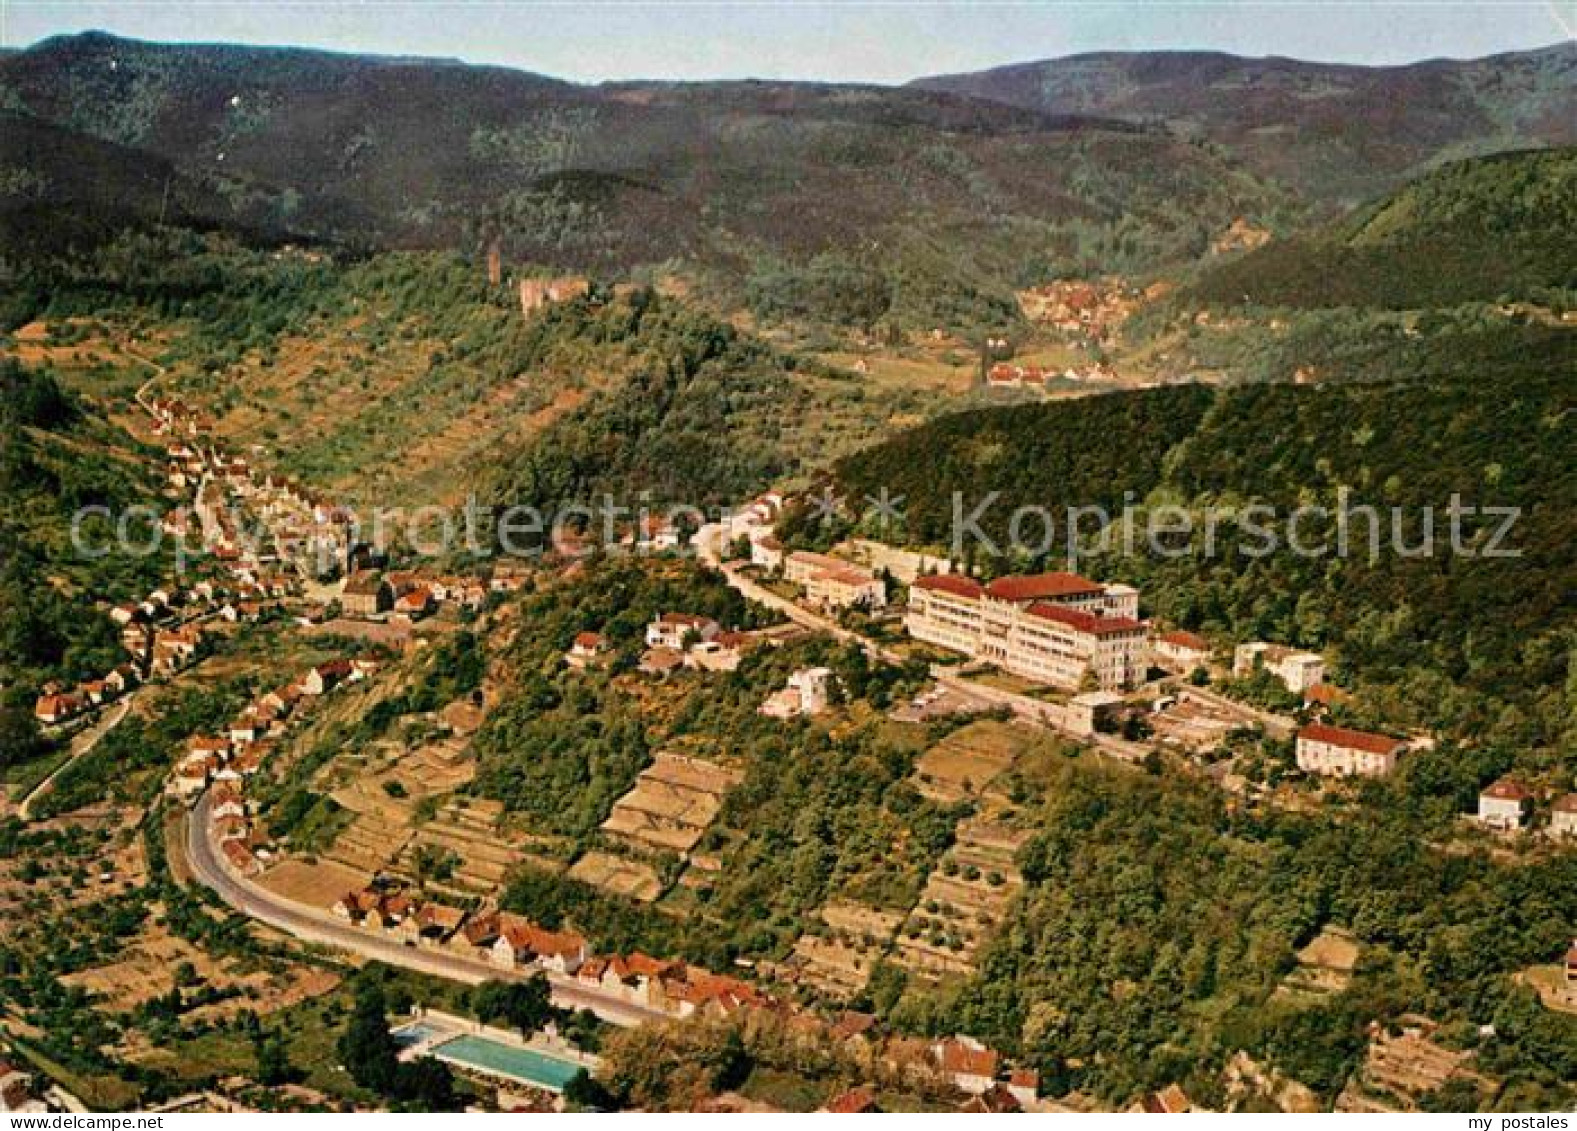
(436, 1029)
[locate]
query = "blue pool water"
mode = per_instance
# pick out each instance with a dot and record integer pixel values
(526, 1065)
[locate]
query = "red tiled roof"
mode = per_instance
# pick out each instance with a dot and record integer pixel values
(1507, 789)
(959, 1059)
(588, 640)
(1186, 640)
(1081, 621)
(1350, 739)
(1041, 585)
(1567, 804)
(965, 587)
(853, 1102)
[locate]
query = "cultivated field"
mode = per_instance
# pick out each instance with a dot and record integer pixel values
(618, 875)
(964, 763)
(672, 803)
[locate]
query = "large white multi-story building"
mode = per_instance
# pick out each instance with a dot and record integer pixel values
(1054, 628)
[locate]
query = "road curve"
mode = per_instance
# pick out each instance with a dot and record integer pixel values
(314, 926)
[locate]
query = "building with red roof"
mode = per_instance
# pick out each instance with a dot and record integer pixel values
(1055, 628)
(1344, 753)
(1505, 805)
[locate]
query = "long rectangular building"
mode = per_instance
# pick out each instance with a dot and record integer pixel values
(1054, 628)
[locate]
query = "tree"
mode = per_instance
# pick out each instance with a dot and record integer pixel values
(367, 1047)
(527, 1005)
(586, 1092)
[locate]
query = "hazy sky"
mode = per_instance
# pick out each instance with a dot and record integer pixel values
(876, 40)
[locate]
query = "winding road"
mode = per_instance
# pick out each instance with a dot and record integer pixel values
(314, 926)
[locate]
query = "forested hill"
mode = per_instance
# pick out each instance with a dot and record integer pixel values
(1338, 133)
(1486, 230)
(57, 456)
(917, 195)
(1471, 645)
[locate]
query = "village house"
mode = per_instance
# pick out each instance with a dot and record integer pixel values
(720, 654)
(1563, 816)
(137, 639)
(191, 776)
(676, 630)
(366, 595)
(1340, 752)
(175, 649)
(436, 923)
(477, 935)
(587, 649)
(52, 709)
(833, 583)
(415, 603)
(1170, 1100)
(766, 552)
(968, 1064)
(856, 1101)
(1180, 652)
(202, 745)
(808, 693)
(16, 1091)
(122, 678)
(125, 614)
(1504, 805)
(1055, 628)
(240, 857)
(1024, 1086)
(227, 803)
(324, 678)
(1298, 671)
(521, 943)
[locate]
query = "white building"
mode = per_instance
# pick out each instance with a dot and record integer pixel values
(1180, 652)
(807, 693)
(766, 552)
(1343, 753)
(1055, 628)
(1298, 671)
(1563, 816)
(672, 630)
(834, 583)
(1504, 805)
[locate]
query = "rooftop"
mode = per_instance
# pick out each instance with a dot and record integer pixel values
(1351, 739)
(1042, 586)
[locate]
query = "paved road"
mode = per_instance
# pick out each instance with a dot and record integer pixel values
(81, 744)
(311, 925)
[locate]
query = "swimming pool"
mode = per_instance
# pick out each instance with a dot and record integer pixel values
(526, 1065)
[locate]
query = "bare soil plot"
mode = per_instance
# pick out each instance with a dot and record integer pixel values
(618, 875)
(966, 761)
(672, 803)
(1325, 965)
(317, 884)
